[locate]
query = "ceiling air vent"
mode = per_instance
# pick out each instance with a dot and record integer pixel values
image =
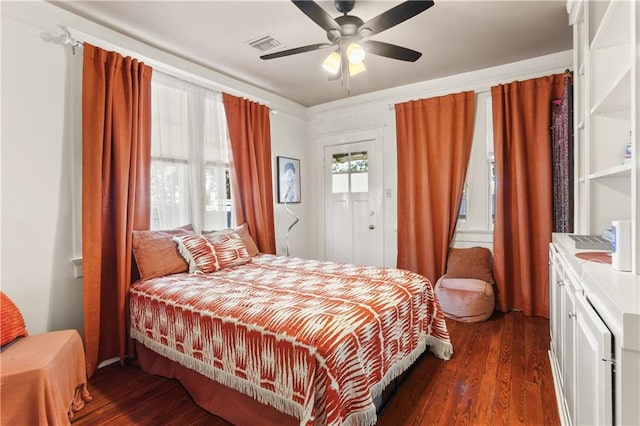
(264, 43)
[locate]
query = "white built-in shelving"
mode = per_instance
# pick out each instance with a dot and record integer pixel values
(605, 115)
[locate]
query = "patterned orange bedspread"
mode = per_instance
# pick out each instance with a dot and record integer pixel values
(316, 340)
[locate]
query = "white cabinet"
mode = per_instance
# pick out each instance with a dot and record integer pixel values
(605, 115)
(595, 338)
(575, 350)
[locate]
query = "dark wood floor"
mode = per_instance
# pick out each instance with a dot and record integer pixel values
(499, 375)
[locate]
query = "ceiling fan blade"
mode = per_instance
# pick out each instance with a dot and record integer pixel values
(296, 50)
(391, 51)
(317, 14)
(395, 15)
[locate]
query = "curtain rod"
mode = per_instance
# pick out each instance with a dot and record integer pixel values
(567, 73)
(393, 106)
(67, 39)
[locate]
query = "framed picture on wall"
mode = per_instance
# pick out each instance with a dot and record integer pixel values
(288, 180)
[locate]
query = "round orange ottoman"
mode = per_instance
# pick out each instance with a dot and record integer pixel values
(465, 299)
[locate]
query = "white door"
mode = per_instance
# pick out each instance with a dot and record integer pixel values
(353, 204)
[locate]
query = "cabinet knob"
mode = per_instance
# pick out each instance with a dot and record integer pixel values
(572, 314)
(560, 283)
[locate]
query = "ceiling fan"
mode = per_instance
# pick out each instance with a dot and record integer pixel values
(346, 34)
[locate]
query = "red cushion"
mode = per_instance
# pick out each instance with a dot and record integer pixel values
(12, 323)
(473, 262)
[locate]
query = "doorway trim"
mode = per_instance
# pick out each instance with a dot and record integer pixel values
(376, 136)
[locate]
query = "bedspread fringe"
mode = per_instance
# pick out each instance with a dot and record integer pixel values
(264, 396)
(399, 368)
(368, 417)
(440, 348)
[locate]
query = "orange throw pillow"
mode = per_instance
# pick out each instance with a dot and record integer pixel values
(474, 262)
(12, 323)
(243, 231)
(157, 254)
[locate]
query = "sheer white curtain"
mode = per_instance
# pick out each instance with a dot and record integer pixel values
(189, 156)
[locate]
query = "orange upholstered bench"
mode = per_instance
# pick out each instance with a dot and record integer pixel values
(43, 377)
(466, 291)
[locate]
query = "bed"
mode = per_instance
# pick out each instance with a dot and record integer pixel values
(314, 342)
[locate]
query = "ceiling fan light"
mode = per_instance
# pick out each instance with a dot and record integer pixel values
(332, 63)
(355, 53)
(355, 69)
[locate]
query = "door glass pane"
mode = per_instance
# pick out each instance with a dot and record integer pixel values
(350, 172)
(340, 163)
(360, 182)
(340, 183)
(359, 162)
(340, 173)
(359, 169)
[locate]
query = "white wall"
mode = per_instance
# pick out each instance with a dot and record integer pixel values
(38, 147)
(40, 176)
(41, 156)
(375, 110)
(289, 139)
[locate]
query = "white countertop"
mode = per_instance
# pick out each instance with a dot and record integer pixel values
(614, 294)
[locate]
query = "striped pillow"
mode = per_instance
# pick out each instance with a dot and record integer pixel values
(229, 248)
(198, 252)
(12, 323)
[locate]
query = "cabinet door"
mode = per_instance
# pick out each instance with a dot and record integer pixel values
(555, 313)
(568, 348)
(594, 396)
(558, 314)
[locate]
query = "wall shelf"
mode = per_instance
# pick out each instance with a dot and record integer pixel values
(622, 170)
(615, 26)
(617, 99)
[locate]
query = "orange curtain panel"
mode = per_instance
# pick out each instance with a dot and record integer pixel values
(251, 177)
(523, 222)
(434, 139)
(116, 159)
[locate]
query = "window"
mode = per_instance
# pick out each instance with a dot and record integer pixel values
(477, 205)
(350, 172)
(462, 213)
(189, 156)
(492, 189)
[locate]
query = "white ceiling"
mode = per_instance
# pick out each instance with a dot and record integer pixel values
(453, 36)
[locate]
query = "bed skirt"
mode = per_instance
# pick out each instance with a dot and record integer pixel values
(229, 404)
(220, 400)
